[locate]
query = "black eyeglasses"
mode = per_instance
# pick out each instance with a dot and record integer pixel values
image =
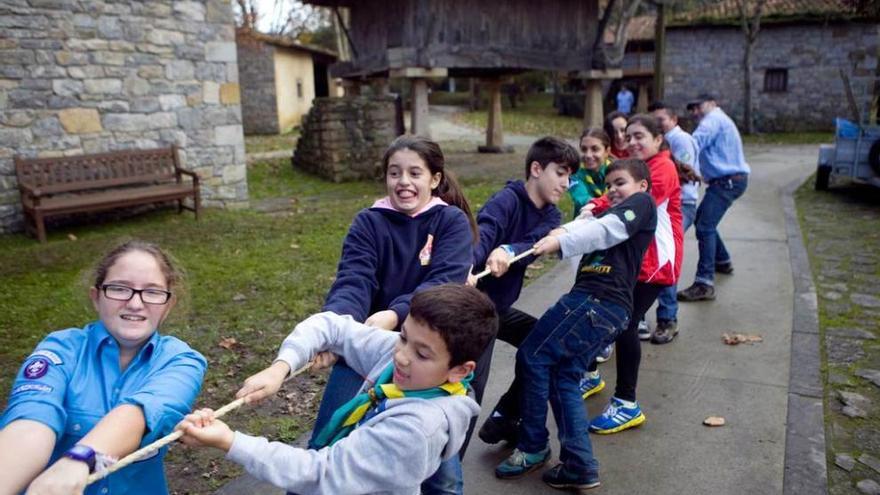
(123, 293)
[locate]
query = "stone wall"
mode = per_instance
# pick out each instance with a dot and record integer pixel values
(256, 71)
(82, 76)
(710, 59)
(344, 138)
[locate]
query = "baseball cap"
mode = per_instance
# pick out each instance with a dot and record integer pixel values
(701, 98)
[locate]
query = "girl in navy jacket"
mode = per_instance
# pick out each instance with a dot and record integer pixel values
(420, 235)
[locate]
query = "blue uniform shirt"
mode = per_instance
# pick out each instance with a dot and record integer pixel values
(72, 380)
(720, 145)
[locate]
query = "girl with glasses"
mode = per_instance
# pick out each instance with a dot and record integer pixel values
(86, 396)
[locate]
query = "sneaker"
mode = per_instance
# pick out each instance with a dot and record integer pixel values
(520, 463)
(697, 292)
(591, 385)
(617, 418)
(724, 268)
(665, 332)
(644, 331)
(559, 477)
(497, 428)
(605, 354)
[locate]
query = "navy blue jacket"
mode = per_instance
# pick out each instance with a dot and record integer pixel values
(387, 256)
(510, 217)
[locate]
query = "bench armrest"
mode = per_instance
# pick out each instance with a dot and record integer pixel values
(195, 176)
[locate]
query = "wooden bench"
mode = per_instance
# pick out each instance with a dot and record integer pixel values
(103, 181)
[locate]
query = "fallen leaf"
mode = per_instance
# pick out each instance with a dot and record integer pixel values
(228, 343)
(714, 421)
(294, 246)
(239, 297)
(71, 237)
(740, 338)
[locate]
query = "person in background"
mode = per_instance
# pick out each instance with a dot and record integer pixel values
(684, 150)
(726, 174)
(625, 100)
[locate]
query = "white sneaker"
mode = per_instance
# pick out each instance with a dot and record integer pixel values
(605, 355)
(644, 331)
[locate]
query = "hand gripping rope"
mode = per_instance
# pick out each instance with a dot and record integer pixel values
(158, 444)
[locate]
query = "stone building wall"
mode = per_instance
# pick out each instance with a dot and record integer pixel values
(344, 138)
(256, 70)
(81, 76)
(710, 59)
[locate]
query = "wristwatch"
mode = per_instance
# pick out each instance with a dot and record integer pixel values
(82, 453)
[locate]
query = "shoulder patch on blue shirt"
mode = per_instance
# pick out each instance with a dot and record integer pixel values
(36, 368)
(48, 354)
(629, 215)
(32, 387)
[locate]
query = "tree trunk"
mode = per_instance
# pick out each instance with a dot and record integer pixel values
(659, 52)
(747, 89)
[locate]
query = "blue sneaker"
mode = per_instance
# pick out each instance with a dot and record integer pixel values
(617, 418)
(560, 477)
(605, 354)
(520, 463)
(591, 385)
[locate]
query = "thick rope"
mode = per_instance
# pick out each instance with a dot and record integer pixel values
(158, 444)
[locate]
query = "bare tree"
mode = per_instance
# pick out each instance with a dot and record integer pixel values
(751, 26)
(618, 15)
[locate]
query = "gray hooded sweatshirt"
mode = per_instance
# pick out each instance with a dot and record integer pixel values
(392, 452)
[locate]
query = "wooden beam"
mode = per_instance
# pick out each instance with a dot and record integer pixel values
(600, 74)
(659, 51)
(593, 114)
(419, 72)
(494, 127)
(419, 125)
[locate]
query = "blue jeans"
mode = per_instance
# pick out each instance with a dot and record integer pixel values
(551, 362)
(667, 305)
(719, 196)
(342, 385)
(447, 480)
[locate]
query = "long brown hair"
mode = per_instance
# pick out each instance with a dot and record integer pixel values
(685, 172)
(448, 189)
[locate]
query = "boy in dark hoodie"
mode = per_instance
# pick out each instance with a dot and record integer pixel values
(510, 223)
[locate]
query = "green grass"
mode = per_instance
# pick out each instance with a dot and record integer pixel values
(258, 143)
(535, 116)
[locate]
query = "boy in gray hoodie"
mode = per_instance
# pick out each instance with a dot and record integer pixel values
(412, 412)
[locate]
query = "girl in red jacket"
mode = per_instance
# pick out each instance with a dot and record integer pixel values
(661, 267)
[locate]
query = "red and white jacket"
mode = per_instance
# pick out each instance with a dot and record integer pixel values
(662, 262)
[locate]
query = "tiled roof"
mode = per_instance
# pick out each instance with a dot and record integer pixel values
(728, 11)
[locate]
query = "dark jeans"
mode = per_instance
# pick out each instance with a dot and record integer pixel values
(719, 196)
(513, 327)
(628, 345)
(552, 360)
(667, 304)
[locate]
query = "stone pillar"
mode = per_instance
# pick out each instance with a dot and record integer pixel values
(642, 103)
(380, 86)
(494, 127)
(419, 125)
(593, 115)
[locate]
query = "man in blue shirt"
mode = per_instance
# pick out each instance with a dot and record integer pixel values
(726, 174)
(625, 100)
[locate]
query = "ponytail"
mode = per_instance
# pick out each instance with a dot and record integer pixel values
(450, 191)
